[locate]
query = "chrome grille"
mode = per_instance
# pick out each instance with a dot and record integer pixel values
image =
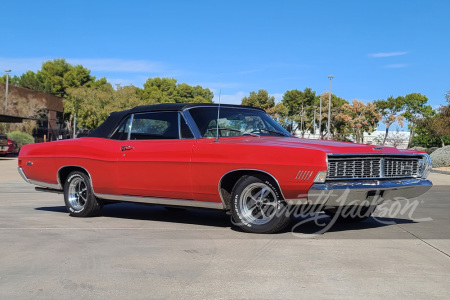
(401, 167)
(372, 167)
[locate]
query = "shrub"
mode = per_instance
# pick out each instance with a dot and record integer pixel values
(21, 138)
(432, 149)
(417, 148)
(441, 157)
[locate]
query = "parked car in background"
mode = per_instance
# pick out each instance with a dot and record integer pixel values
(226, 157)
(8, 146)
(13, 147)
(3, 145)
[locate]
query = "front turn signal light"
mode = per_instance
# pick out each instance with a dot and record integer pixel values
(320, 177)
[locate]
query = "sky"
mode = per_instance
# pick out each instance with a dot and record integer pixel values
(374, 49)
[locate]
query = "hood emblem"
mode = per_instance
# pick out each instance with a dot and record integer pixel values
(377, 149)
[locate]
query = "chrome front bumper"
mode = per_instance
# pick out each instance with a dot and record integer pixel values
(367, 191)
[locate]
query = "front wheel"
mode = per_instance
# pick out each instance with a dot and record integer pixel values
(79, 196)
(257, 206)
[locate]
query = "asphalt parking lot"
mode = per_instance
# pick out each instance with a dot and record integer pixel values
(142, 252)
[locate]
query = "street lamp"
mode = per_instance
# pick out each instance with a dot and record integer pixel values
(329, 109)
(320, 118)
(314, 128)
(6, 91)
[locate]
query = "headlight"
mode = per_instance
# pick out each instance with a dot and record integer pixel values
(320, 177)
(425, 166)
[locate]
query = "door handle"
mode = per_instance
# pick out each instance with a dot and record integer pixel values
(127, 148)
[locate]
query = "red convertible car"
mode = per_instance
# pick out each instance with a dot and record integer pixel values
(224, 157)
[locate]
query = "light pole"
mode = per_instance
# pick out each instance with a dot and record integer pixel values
(329, 109)
(314, 124)
(320, 118)
(6, 90)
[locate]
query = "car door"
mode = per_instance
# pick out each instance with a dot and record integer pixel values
(155, 157)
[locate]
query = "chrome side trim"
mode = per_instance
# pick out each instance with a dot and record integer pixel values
(47, 185)
(162, 201)
(267, 173)
(22, 174)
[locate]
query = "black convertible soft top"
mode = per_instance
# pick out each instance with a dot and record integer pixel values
(106, 128)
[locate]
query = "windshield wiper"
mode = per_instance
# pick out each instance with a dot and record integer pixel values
(223, 128)
(271, 131)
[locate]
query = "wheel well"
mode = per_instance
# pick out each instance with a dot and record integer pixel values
(230, 179)
(64, 172)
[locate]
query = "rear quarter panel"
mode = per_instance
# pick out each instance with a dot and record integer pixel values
(95, 155)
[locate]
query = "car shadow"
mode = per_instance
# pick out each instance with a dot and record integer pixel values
(157, 213)
(321, 223)
(314, 224)
(7, 158)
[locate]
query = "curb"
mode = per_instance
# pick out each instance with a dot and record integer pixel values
(440, 172)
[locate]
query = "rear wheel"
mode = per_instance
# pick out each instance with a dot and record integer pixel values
(79, 197)
(257, 206)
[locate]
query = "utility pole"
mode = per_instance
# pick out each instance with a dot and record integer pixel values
(75, 126)
(6, 91)
(314, 122)
(320, 118)
(329, 109)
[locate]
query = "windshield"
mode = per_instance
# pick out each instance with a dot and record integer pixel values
(235, 122)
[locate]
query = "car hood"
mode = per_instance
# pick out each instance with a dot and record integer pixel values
(331, 147)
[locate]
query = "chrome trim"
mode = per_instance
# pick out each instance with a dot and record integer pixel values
(355, 192)
(61, 185)
(182, 118)
(162, 201)
(377, 154)
(236, 170)
(382, 158)
(45, 184)
(22, 174)
(304, 175)
(191, 123)
(129, 127)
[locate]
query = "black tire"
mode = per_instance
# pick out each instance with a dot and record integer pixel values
(350, 214)
(79, 197)
(268, 214)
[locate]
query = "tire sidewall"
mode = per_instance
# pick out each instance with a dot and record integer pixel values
(83, 211)
(239, 220)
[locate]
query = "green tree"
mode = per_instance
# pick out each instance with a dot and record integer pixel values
(337, 126)
(55, 77)
(390, 112)
(166, 90)
(260, 99)
(279, 113)
(436, 126)
(299, 105)
(12, 80)
(415, 110)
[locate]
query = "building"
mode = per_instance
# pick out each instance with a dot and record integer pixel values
(25, 104)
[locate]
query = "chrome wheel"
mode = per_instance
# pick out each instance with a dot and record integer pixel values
(77, 193)
(258, 203)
